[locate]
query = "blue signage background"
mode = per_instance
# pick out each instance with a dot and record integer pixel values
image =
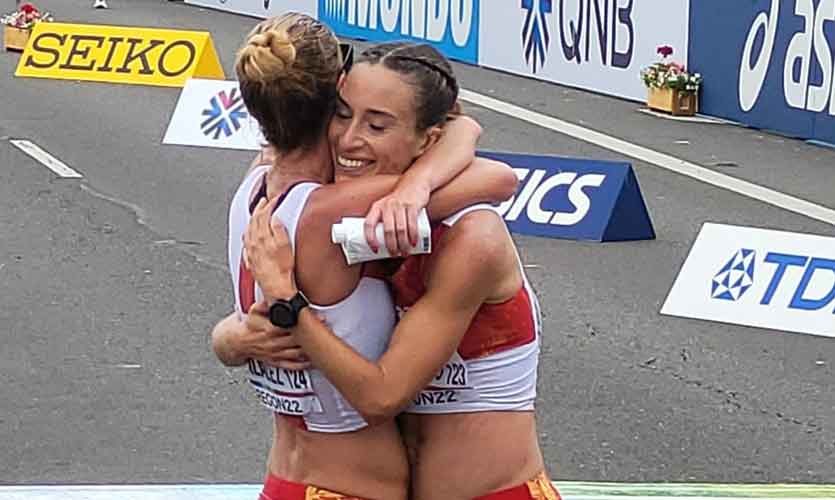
(335, 13)
(719, 30)
(616, 211)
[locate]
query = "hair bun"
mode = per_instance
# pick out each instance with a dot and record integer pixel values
(269, 56)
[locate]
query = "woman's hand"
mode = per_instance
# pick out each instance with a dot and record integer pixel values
(263, 341)
(236, 340)
(453, 153)
(268, 253)
(398, 212)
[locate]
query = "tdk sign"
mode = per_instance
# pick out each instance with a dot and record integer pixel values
(773, 280)
(737, 277)
(575, 199)
(450, 25)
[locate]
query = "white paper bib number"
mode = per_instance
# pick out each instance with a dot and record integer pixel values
(450, 386)
(288, 392)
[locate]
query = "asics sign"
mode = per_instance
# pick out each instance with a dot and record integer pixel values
(575, 199)
(776, 55)
(760, 277)
(797, 90)
(450, 25)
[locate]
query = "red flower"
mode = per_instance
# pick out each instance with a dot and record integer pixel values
(27, 8)
(665, 50)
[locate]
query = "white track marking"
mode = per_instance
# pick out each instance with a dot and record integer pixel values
(663, 160)
(46, 159)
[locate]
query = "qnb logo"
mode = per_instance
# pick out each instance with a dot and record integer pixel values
(424, 19)
(537, 188)
(535, 35)
(735, 277)
(799, 92)
(582, 24)
(226, 113)
(798, 282)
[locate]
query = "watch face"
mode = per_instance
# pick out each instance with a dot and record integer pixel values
(282, 315)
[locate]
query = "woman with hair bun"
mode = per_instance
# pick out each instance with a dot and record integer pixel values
(288, 70)
(461, 367)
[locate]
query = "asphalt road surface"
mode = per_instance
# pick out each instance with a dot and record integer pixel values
(109, 286)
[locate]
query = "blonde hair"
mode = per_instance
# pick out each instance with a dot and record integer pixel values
(288, 69)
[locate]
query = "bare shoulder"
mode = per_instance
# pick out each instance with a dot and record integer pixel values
(479, 242)
(485, 230)
(479, 253)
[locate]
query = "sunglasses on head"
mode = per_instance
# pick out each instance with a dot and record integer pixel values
(347, 51)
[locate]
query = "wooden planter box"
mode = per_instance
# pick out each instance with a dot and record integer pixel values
(673, 101)
(15, 38)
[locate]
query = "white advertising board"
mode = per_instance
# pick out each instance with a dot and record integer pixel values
(211, 113)
(259, 8)
(598, 45)
(758, 277)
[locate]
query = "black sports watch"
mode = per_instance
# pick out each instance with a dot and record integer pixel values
(285, 313)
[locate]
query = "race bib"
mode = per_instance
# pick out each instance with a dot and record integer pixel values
(451, 385)
(289, 392)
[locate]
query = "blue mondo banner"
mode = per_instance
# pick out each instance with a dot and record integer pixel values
(575, 199)
(767, 63)
(452, 26)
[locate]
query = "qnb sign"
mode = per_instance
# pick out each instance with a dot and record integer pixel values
(809, 43)
(574, 199)
(581, 24)
(452, 25)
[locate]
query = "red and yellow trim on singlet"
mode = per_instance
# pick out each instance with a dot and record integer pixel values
(538, 488)
(276, 488)
(495, 327)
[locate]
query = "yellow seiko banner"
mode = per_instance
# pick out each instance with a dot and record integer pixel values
(146, 56)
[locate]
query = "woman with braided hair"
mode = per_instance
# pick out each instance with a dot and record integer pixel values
(288, 71)
(462, 362)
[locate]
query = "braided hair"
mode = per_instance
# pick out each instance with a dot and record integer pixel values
(429, 73)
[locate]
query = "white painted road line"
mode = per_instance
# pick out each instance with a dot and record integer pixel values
(663, 160)
(46, 159)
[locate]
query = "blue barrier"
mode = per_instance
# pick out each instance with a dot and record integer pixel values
(767, 63)
(452, 26)
(575, 199)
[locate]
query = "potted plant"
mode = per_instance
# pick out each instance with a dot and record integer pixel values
(18, 25)
(670, 86)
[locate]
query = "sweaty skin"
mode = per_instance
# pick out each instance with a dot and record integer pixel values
(294, 454)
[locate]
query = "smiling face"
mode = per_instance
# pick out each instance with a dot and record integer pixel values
(374, 129)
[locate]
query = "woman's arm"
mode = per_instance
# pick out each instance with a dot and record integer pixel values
(427, 335)
(225, 334)
(236, 340)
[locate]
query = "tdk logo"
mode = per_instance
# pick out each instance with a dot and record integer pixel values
(757, 277)
(735, 277)
(581, 24)
(809, 280)
(452, 25)
(537, 187)
(797, 63)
